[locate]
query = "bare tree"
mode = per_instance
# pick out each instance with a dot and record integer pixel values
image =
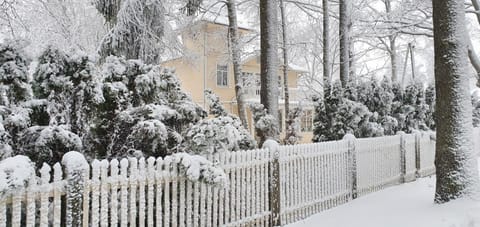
(456, 166)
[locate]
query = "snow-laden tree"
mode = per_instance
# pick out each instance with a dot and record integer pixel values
(137, 28)
(455, 159)
(14, 86)
(70, 84)
(138, 98)
(321, 121)
(293, 127)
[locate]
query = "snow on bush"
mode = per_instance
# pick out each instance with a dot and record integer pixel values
(14, 63)
(293, 126)
(197, 168)
(149, 136)
(16, 173)
(220, 134)
(266, 125)
(48, 143)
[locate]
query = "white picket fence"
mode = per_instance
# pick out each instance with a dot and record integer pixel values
(265, 187)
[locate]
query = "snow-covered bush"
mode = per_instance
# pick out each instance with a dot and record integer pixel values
(136, 92)
(14, 86)
(266, 125)
(321, 122)
(149, 136)
(47, 143)
(16, 173)
(293, 126)
(197, 168)
(215, 107)
(220, 134)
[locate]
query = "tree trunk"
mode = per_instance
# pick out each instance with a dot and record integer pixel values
(393, 47)
(288, 122)
(237, 67)
(471, 53)
(269, 56)
(326, 44)
(344, 41)
(456, 166)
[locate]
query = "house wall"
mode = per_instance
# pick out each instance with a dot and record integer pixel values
(191, 68)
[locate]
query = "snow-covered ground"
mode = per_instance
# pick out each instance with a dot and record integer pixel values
(408, 205)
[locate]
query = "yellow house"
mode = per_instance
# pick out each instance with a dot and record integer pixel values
(206, 64)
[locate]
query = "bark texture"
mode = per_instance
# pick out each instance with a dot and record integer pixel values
(344, 42)
(288, 122)
(326, 44)
(237, 67)
(269, 90)
(456, 166)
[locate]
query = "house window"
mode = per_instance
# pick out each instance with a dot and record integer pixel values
(222, 75)
(307, 121)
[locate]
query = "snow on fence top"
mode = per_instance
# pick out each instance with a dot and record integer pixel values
(171, 191)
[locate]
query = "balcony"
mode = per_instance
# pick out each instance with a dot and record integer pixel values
(252, 93)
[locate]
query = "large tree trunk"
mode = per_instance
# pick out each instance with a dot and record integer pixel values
(288, 122)
(456, 166)
(326, 44)
(269, 56)
(344, 41)
(237, 67)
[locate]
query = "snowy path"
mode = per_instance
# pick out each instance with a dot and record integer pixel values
(408, 205)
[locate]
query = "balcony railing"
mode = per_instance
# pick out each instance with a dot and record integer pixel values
(254, 93)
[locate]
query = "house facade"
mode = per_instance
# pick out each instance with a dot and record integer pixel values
(206, 64)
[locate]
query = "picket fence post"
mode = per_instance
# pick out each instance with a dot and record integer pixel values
(274, 181)
(352, 164)
(417, 154)
(76, 168)
(403, 160)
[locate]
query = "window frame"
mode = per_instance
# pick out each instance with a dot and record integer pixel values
(223, 70)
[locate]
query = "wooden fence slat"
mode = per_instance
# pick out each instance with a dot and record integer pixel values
(150, 191)
(141, 176)
(44, 194)
(57, 203)
(95, 193)
(114, 192)
(124, 192)
(104, 193)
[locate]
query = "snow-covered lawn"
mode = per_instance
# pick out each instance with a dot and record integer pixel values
(408, 205)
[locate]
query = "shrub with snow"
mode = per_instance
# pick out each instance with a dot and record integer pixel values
(220, 134)
(14, 86)
(293, 126)
(47, 143)
(16, 173)
(197, 168)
